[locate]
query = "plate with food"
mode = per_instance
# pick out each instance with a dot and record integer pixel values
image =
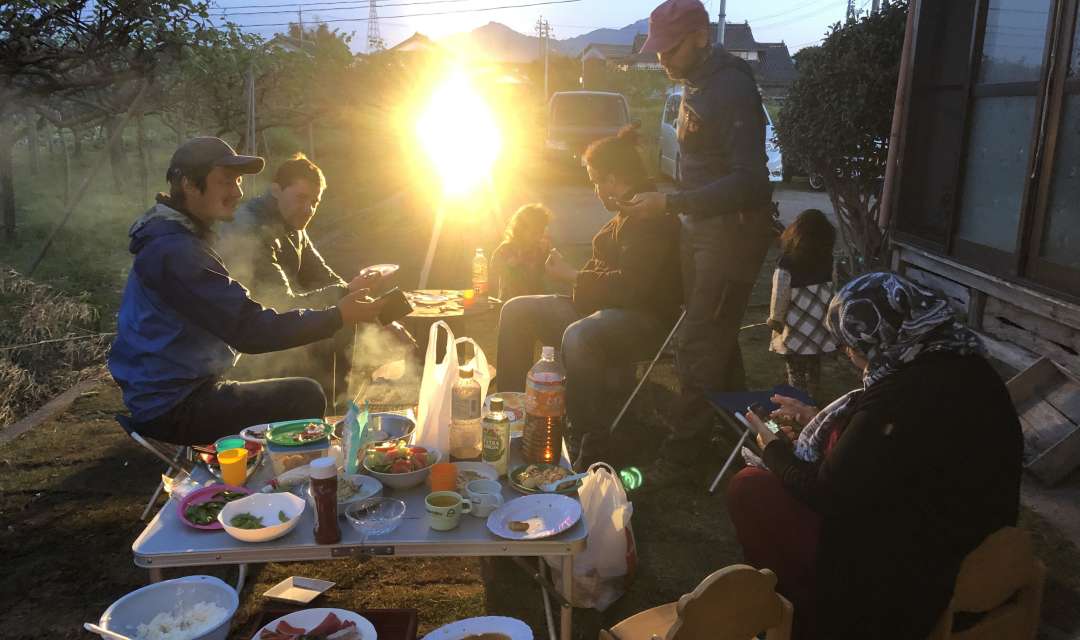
(534, 517)
(255, 433)
(351, 487)
(200, 508)
(528, 478)
(295, 433)
(483, 628)
(427, 299)
(384, 270)
(261, 517)
(319, 624)
(469, 471)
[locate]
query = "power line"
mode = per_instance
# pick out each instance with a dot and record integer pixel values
(419, 15)
(294, 5)
(345, 6)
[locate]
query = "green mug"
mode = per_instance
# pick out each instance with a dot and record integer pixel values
(445, 508)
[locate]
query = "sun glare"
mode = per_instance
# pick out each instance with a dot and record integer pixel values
(459, 133)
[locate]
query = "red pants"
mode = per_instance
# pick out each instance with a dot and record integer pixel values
(779, 533)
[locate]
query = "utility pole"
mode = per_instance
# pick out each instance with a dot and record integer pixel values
(721, 25)
(251, 143)
(543, 32)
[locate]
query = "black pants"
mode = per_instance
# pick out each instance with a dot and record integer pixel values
(223, 407)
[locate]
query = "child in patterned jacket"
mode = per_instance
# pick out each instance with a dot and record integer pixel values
(802, 288)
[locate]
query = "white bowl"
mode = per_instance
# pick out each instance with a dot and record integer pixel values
(265, 506)
(407, 480)
(366, 487)
(171, 596)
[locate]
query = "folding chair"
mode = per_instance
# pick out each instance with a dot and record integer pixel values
(733, 404)
(177, 457)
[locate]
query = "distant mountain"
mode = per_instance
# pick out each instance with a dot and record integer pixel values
(574, 46)
(496, 41)
(499, 42)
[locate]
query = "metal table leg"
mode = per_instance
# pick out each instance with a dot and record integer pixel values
(542, 572)
(155, 574)
(568, 591)
(241, 578)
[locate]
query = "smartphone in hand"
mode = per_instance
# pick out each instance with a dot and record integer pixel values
(395, 308)
(763, 414)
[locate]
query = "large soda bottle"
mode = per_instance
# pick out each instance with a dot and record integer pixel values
(480, 278)
(466, 430)
(545, 410)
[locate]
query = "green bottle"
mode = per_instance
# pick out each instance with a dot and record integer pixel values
(496, 437)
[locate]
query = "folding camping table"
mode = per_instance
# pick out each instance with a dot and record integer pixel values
(168, 542)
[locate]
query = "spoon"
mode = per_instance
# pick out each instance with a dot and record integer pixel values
(104, 633)
(552, 487)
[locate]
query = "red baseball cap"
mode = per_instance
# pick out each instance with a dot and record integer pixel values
(672, 21)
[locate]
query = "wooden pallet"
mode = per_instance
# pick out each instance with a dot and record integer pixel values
(1047, 398)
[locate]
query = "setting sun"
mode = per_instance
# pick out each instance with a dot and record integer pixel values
(458, 131)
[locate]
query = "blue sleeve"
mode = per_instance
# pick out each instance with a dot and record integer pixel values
(746, 186)
(196, 284)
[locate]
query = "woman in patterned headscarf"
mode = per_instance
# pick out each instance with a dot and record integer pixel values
(866, 517)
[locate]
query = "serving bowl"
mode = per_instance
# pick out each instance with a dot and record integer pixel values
(171, 596)
(406, 480)
(267, 506)
(375, 516)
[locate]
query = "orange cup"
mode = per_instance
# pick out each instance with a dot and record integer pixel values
(233, 466)
(443, 477)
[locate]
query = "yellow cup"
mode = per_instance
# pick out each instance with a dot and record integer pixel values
(233, 466)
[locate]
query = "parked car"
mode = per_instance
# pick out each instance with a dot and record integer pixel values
(577, 118)
(670, 160)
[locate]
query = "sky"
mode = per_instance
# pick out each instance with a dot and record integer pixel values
(797, 22)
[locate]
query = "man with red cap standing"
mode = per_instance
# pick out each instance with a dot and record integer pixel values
(724, 202)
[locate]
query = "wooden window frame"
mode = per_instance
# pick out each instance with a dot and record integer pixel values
(1024, 264)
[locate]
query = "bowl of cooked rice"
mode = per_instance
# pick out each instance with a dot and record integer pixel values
(191, 608)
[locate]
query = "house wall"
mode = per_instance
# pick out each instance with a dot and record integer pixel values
(1018, 325)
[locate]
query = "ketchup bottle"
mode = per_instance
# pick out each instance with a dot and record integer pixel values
(324, 491)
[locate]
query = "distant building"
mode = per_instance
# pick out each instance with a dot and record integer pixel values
(771, 61)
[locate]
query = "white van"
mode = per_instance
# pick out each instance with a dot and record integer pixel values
(670, 163)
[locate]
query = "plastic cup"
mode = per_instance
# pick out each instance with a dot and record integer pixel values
(443, 477)
(468, 298)
(229, 442)
(233, 466)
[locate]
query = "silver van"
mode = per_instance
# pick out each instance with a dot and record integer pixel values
(670, 163)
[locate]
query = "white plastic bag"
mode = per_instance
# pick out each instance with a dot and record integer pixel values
(433, 419)
(603, 570)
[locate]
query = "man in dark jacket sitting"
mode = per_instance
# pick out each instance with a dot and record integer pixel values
(184, 321)
(625, 300)
(267, 249)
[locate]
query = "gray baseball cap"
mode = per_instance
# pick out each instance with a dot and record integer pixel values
(207, 152)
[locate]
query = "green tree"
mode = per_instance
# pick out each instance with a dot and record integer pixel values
(837, 118)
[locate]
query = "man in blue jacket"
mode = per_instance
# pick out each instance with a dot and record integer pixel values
(724, 203)
(183, 321)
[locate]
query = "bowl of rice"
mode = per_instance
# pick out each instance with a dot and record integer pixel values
(191, 608)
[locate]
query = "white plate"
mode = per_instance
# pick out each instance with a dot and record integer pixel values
(483, 469)
(308, 619)
(516, 629)
(428, 298)
(366, 487)
(547, 514)
(384, 270)
(255, 433)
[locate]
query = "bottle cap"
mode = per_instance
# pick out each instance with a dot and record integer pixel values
(323, 468)
(548, 353)
(479, 251)
(496, 404)
(465, 372)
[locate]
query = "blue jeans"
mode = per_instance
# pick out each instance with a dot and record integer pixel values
(590, 348)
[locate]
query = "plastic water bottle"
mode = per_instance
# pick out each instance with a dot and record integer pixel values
(466, 431)
(545, 410)
(480, 277)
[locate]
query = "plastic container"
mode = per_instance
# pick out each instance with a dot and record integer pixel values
(170, 596)
(466, 432)
(545, 410)
(480, 277)
(285, 458)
